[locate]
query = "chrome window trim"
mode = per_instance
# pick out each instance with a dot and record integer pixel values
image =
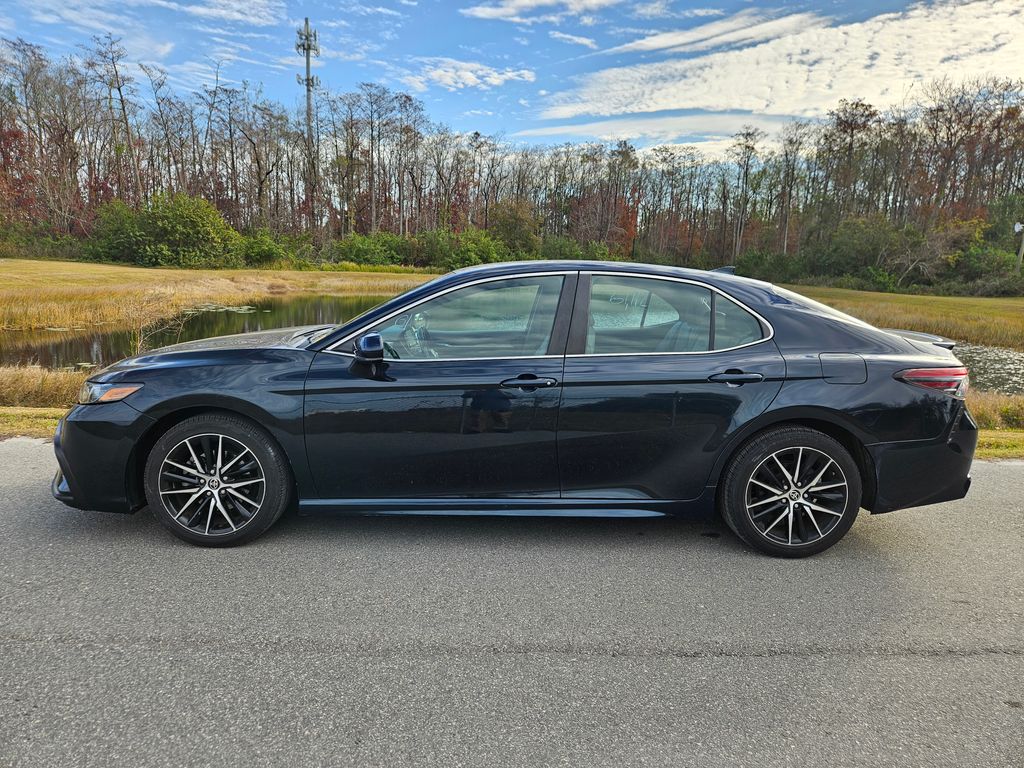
(644, 275)
(698, 283)
(405, 308)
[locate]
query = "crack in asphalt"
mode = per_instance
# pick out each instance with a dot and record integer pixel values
(334, 648)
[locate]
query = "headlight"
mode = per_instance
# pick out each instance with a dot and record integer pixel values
(91, 392)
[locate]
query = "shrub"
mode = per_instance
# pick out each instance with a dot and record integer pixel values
(771, 266)
(363, 249)
(435, 249)
(561, 248)
(514, 223)
(872, 241)
(595, 250)
(188, 231)
(117, 234)
(475, 246)
(259, 248)
(176, 231)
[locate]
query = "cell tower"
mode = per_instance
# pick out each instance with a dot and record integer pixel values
(307, 43)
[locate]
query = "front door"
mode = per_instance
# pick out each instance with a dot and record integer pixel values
(660, 372)
(469, 406)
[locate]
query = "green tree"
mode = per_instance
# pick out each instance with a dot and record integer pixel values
(514, 223)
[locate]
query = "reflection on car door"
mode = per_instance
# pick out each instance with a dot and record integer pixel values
(470, 404)
(650, 391)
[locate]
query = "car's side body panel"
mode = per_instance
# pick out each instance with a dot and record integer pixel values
(654, 432)
(434, 428)
(262, 383)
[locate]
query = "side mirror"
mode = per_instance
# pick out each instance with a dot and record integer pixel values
(369, 349)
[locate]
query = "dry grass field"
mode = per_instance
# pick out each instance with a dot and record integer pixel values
(998, 322)
(65, 294)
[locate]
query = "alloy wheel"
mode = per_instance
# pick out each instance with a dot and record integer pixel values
(796, 496)
(211, 484)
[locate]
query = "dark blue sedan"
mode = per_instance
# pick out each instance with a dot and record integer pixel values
(540, 388)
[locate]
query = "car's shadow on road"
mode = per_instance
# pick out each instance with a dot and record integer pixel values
(694, 534)
(519, 528)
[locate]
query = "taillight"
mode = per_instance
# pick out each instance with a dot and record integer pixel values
(952, 381)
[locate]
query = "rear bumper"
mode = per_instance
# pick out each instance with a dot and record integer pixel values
(919, 472)
(94, 446)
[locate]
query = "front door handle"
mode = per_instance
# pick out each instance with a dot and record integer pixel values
(528, 382)
(735, 378)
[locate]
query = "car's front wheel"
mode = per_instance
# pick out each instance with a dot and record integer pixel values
(217, 480)
(791, 492)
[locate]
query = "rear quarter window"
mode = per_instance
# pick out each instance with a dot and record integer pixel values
(734, 326)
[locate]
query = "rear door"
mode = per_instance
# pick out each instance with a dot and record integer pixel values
(659, 373)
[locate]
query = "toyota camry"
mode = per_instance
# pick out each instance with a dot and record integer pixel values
(539, 388)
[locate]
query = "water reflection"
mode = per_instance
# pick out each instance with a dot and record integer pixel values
(99, 347)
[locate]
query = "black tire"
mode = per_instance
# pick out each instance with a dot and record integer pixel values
(249, 495)
(806, 520)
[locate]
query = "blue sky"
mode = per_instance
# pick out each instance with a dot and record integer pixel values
(546, 71)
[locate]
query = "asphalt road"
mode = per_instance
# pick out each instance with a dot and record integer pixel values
(492, 642)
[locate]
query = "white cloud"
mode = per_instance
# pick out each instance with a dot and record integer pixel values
(477, 113)
(456, 75)
(573, 39)
(745, 27)
(805, 71)
(350, 53)
(534, 11)
(261, 13)
(662, 9)
(6, 24)
(663, 128)
(372, 10)
(99, 17)
(229, 32)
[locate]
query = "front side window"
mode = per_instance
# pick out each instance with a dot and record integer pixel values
(501, 318)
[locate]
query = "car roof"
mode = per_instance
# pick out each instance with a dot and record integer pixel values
(571, 265)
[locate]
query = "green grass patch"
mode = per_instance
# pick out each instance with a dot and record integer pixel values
(29, 422)
(1000, 445)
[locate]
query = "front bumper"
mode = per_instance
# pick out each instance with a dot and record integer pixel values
(918, 472)
(95, 449)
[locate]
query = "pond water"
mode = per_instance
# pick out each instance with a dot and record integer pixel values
(66, 348)
(992, 368)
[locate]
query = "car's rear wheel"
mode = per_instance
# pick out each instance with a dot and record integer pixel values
(791, 492)
(217, 480)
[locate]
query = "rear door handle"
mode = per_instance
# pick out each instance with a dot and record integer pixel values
(528, 382)
(735, 378)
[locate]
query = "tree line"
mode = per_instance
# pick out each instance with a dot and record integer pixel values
(924, 194)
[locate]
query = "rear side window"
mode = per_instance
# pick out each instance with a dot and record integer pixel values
(734, 326)
(640, 315)
(631, 315)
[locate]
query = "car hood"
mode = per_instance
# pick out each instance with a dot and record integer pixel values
(278, 337)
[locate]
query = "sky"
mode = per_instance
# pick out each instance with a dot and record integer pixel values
(549, 71)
